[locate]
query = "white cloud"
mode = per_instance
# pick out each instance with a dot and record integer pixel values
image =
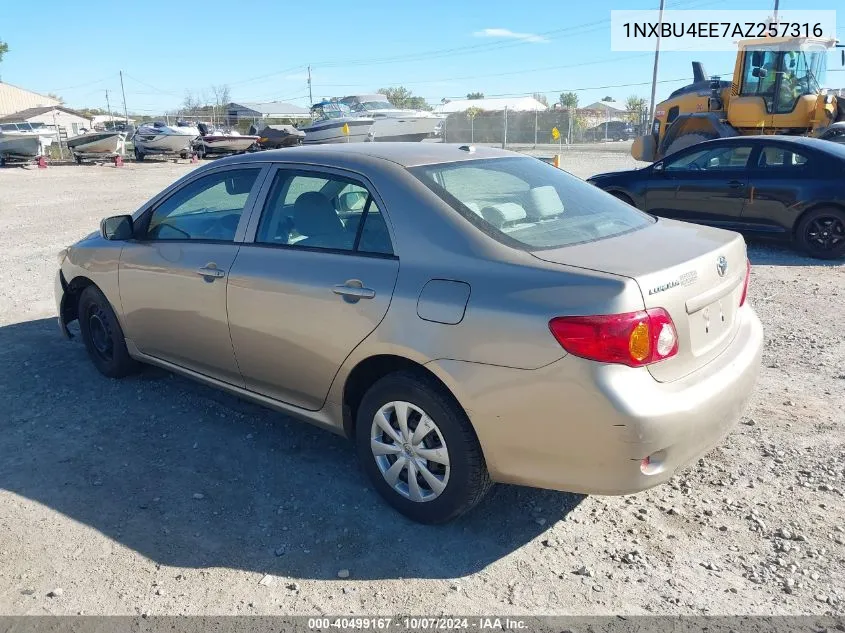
(507, 33)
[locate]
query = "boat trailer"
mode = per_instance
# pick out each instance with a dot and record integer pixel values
(21, 160)
(114, 158)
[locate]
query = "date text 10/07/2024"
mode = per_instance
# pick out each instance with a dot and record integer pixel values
(416, 624)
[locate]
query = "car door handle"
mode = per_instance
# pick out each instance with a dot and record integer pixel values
(736, 184)
(209, 271)
(353, 291)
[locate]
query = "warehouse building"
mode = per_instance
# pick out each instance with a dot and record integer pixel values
(14, 99)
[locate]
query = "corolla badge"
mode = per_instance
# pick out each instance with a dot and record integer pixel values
(722, 265)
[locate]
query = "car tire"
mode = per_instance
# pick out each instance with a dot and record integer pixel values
(444, 491)
(103, 335)
(821, 233)
(139, 156)
(687, 140)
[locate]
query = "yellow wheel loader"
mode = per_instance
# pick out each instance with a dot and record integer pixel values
(776, 89)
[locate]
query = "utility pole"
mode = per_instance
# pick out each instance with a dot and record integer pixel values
(125, 111)
(310, 96)
(654, 72)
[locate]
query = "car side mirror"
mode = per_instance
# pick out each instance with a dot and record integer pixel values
(117, 228)
(760, 73)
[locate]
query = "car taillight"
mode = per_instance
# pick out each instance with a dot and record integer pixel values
(633, 338)
(745, 284)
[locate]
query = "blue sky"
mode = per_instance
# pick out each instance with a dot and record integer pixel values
(261, 48)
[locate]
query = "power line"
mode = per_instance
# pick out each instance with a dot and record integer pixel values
(489, 46)
(259, 77)
(87, 83)
(641, 83)
(144, 83)
(515, 72)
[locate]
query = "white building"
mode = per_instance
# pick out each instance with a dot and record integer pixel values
(100, 120)
(253, 111)
(52, 116)
(496, 104)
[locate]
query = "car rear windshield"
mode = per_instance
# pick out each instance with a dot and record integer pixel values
(527, 203)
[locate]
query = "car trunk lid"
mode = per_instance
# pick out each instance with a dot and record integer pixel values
(695, 273)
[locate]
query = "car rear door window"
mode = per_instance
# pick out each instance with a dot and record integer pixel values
(780, 158)
(305, 210)
(208, 208)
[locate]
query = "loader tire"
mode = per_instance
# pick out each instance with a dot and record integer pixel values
(687, 140)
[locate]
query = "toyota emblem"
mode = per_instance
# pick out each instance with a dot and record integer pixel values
(722, 265)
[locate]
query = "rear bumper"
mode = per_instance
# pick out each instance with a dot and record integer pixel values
(581, 426)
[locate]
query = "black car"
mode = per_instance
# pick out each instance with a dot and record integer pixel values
(789, 188)
(616, 131)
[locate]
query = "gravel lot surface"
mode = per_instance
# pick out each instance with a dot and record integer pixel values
(156, 495)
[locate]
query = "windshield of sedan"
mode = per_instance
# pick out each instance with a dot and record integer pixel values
(529, 204)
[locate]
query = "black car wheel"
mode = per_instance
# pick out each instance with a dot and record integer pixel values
(418, 448)
(821, 233)
(103, 336)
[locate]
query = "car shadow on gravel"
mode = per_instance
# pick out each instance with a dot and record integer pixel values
(190, 477)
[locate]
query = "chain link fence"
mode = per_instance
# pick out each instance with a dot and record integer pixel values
(509, 129)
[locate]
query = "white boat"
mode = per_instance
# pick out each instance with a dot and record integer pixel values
(392, 123)
(97, 142)
(330, 117)
(160, 138)
(25, 140)
(218, 141)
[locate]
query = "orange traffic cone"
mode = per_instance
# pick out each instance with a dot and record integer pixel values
(556, 161)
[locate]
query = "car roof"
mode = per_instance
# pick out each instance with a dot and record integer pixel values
(829, 147)
(404, 154)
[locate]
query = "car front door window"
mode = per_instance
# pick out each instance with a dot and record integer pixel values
(716, 159)
(207, 209)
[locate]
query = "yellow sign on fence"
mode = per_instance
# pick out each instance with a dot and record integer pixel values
(555, 133)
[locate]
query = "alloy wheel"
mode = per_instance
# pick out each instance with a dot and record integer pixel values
(410, 451)
(825, 233)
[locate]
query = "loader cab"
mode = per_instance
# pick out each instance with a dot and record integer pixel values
(782, 77)
(776, 85)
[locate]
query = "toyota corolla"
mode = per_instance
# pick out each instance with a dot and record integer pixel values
(464, 315)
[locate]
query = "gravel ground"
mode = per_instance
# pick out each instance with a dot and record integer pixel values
(156, 495)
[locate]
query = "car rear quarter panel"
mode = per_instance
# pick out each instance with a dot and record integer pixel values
(512, 295)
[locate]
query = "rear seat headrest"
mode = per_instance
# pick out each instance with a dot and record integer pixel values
(545, 201)
(500, 214)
